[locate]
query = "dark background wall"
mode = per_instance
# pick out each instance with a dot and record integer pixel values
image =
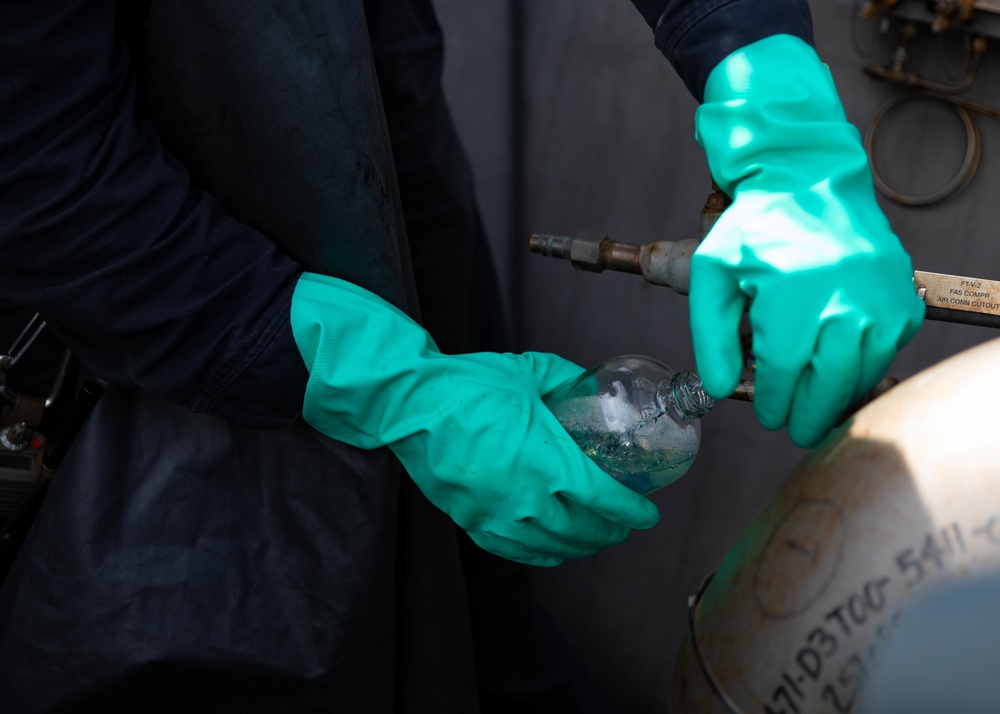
(608, 146)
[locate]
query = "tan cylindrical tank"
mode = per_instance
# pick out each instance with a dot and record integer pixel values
(903, 497)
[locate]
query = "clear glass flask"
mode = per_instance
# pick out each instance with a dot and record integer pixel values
(635, 417)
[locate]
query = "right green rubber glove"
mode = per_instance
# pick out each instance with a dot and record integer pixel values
(471, 430)
(830, 287)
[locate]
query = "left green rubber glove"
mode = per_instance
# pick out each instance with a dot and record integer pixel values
(830, 287)
(471, 430)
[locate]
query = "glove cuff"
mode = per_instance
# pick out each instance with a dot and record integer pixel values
(364, 357)
(772, 120)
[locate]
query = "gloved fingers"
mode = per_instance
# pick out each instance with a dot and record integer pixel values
(716, 306)
(897, 315)
(774, 387)
(785, 326)
(554, 526)
(827, 385)
(883, 338)
(914, 320)
(530, 546)
(546, 525)
(612, 502)
(902, 310)
(567, 522)
(878, 349)
(782, 351)
(913, 323)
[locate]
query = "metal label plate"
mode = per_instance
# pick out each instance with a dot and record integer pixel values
(956, 292)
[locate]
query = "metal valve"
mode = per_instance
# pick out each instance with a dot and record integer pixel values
(15, 437)
(951, 12)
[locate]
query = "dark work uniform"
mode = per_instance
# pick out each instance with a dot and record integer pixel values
(201, 547)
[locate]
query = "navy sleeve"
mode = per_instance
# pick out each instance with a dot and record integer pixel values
(696, 35)
(149, 282)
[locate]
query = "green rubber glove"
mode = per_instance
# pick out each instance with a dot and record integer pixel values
(831, 288)
(471, 430)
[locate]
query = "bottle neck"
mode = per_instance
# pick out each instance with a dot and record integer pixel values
(684, 396)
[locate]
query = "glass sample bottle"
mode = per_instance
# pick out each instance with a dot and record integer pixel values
(635, 417)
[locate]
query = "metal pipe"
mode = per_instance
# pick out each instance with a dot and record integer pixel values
(717, 202)
(668, 264)
(665, 263)
(976, 319)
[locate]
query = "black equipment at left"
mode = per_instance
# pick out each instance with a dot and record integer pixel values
(36, 431)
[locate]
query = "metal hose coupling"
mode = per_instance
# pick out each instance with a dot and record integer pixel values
(666, 263)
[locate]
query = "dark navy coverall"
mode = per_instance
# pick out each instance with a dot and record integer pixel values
(201, 547)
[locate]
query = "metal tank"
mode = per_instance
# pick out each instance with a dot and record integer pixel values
(904, 497)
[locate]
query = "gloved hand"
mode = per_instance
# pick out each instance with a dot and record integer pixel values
(471, 430)
(831, 288)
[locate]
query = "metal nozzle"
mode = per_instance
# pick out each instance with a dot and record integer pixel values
(661, 263)
(588, 251)
(666, 263)
(550, 246)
